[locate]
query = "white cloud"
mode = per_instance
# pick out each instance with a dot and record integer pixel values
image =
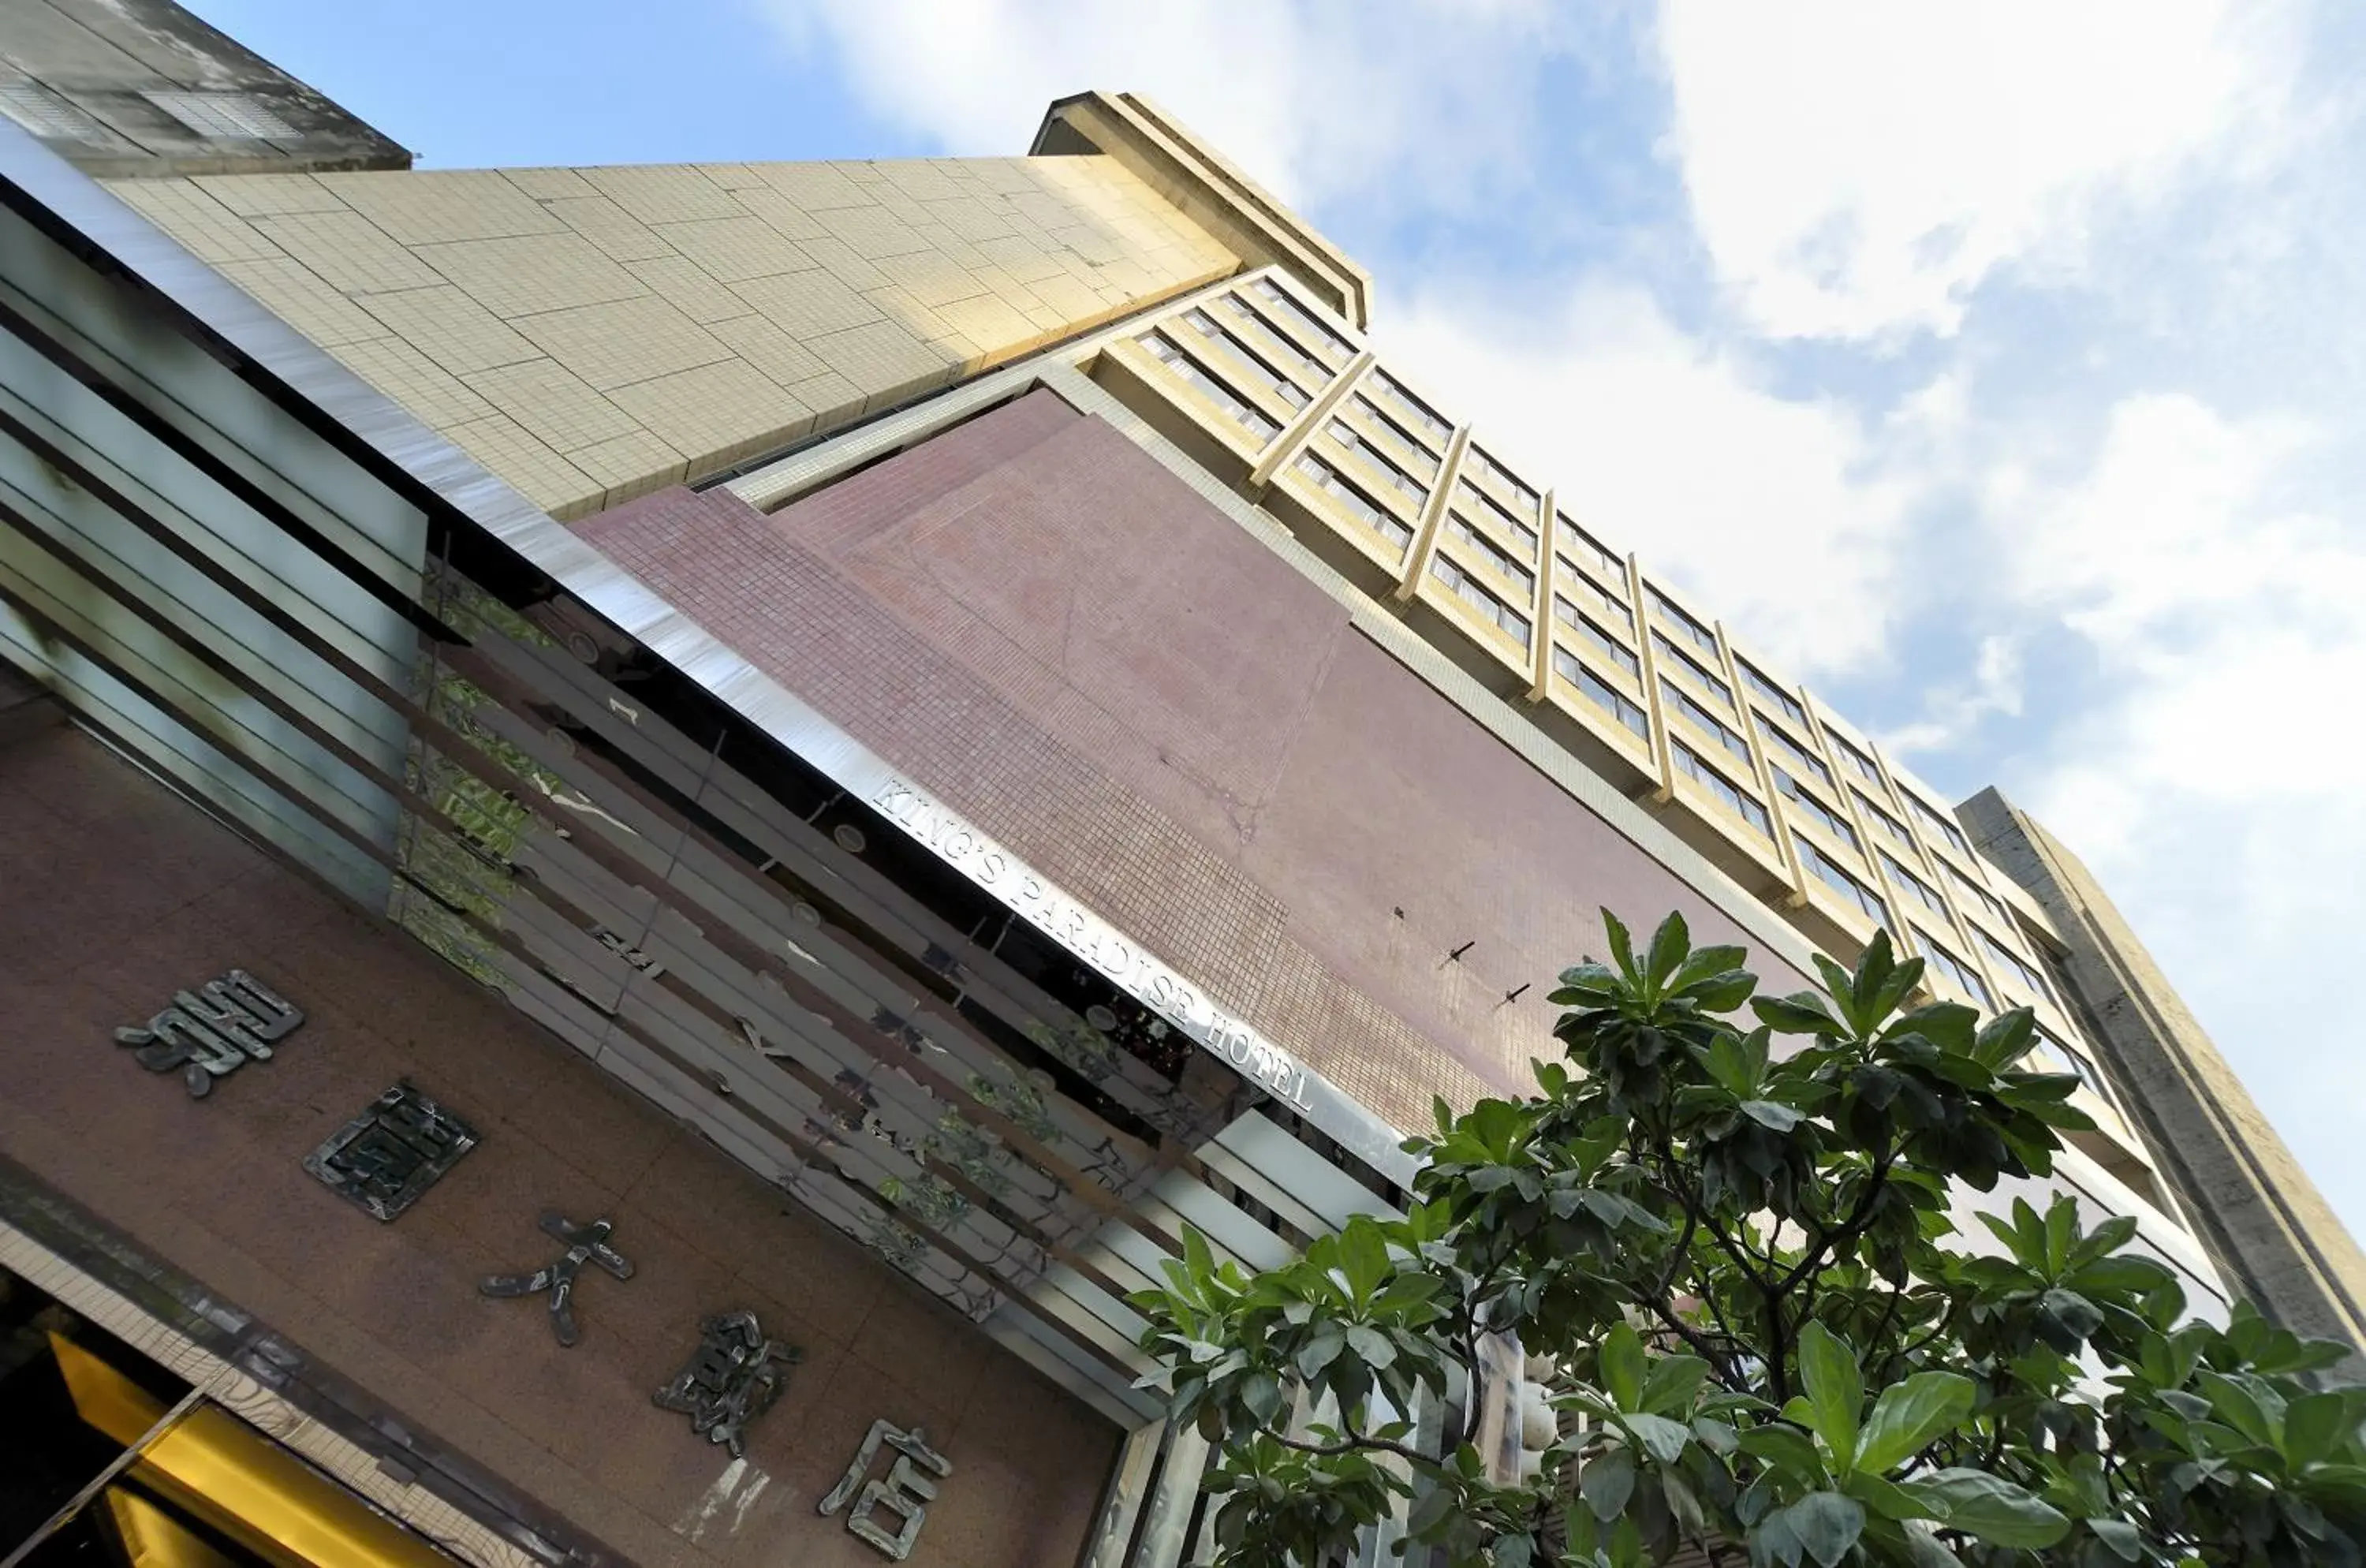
(2218, 789)
(1858, 167)
(1954, 711)
(1775, 511)
(1315, 99)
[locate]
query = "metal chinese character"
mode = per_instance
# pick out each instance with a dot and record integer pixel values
(731, 1379)
(905, 1491)
(585, 1243)
(212, 1031)
(384, 1158)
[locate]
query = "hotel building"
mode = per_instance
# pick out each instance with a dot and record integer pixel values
(835, 751)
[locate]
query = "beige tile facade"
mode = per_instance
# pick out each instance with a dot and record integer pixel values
(592, 334)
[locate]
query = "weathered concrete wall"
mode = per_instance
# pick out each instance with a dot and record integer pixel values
(143, 87)
(2270, 1230)
(593, 334)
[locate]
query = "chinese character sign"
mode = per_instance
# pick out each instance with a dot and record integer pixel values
(213, 1031)
(384, 1158)
(585, 1243)
(732, 1378)
(904, 1491)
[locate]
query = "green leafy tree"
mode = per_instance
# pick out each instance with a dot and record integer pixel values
(1769, 1341)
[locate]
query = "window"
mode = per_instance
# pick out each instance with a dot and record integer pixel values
(1978, 894)
(1815, 811)
(1253, 420)
(1413, 408)
(1759, 684)
(1836, 877)
(1471, 593)
(1858, 763)
(1906, 882)
(1475, 498)
(1420, 459)
(1688, 762)
(1460, 526)
(1250, 365)
(1489, 469)
(1880, 818)
(1273, 294)
(1699, 635)
(1799, 756)
(1581, 583)
(225, 117)
(1934, 824)
(2014, 964)
(1707, 722)
(1402, 482)
(1602, 695)
(1312, 370)
(1617, 652)
(2078, 1062)
(1692, 667)
(1586, 547)
(1327, 479)
(1966, 979)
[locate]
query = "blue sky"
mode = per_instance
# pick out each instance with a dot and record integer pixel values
(1997, 367)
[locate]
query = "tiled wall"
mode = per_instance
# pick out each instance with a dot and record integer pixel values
(592, 334)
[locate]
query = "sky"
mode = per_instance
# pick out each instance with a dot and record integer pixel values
(1997, 368)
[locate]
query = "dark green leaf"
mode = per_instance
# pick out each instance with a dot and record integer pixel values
(1989, 1507)
(2125, 1542)
(1827, 1524)
(1606, 1484)
(1835, 1390)
(1910, 1415)
(1378, 1350)
(1662, 1439)
(1669, 1387)
(1668, 946)
(1786, 1449)
(1804, 1013)
(1621, 1358)
(1771, 1113)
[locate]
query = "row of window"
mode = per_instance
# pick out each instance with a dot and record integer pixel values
(1332, 483)
(1312, 371)
(1273, 294)
(1689, 764)
(1834, 875)
(1935, 824)
(1978, 894)
(1699, 635)
(1471, 495)
(1417, 459)
(1601, 693)
(1906, 880)
(1253, 420)
(1694, 667)
(1581, 583)
(1475, 594)
(1617, 652)
(1799, 756)
(1955, 969)
(1246, 360)
(1492, 553)
(1884, 820)
(1701, 718)
(1815, 811)
(1758, 683)
(1413, 409)
(2013, 964)
(1402, 482)
(1487, 467)
(1582, 545)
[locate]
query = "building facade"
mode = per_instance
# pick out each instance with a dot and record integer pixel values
(665, 825)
